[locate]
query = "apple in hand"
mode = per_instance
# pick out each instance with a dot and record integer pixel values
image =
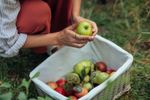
(101, 66)
(84, 28)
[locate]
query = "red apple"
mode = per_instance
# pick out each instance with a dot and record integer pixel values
(68, 93)
(101, 66)
(53, 85)
(60, 90)
(110, 70)
(61, 82)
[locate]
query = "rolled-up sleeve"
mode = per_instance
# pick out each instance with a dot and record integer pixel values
(10, 40)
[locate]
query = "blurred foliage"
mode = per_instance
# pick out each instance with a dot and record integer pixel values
(126, 23)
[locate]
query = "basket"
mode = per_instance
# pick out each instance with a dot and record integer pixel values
(101, 49)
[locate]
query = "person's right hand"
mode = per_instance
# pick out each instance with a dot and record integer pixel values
(70, 38)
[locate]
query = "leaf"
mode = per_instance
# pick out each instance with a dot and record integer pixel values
(25, 84)
(130, 47)
(32, 99)
(36, 75)
(0, 82)
(83, 73)
(5, 85)
(22, 96)
(6, 96)
(48, 98)
(40, 98)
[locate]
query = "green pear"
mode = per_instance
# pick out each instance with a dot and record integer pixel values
(86, 78)
(73, 78)
(83, 68)
(98, 77)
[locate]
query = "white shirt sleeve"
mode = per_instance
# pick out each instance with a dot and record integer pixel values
(10, 40)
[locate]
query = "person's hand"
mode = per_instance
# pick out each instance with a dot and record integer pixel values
(78, 19)
(70, 38)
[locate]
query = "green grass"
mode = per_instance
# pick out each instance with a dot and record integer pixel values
(125, 22)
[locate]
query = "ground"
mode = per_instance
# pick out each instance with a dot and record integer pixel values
(124, 22)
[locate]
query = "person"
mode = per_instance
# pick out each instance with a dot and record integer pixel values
(38, 24)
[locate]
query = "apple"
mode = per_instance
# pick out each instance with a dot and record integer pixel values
(60, 90)
(84, 28)
(68, 88)
(82, 93)
(72, 98)
(110, 70)
(88, 85)
(101, 66)
(98, 77)
(83, 68)
(53, 85)
(61, 82)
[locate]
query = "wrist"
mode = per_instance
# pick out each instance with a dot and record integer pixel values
(75, 18)
(57, 36)
(53, 38)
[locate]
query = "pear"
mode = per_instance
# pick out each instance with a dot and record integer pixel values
(83, 68)
(86, 78)
(98, 77)
(73, 78)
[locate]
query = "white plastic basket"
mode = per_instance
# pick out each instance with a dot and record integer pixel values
(101, 49)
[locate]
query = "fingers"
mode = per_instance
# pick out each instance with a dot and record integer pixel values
(80, 37)
(80, 41)
(76, 45)
(95, 28)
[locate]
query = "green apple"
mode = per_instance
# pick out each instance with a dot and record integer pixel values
(88, 85)
(84, 28)
(98, 77)
(83, 68)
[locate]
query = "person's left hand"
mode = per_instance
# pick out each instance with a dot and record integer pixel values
(78, 19)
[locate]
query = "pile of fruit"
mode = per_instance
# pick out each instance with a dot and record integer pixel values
(85, 76)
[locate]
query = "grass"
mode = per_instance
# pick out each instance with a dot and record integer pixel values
(124, 22)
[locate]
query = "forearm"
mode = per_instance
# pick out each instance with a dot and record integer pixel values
(76, 8)
(41, 40)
